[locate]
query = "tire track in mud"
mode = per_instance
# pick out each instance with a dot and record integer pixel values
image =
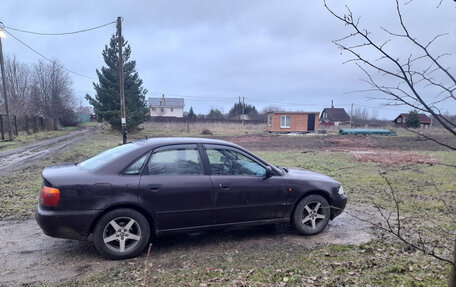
(18, 158)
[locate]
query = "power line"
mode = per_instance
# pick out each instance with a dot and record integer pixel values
(60, 34)
(254, 100)
(212, 100)
(202, 98)
(194, 97)
(372, 107)
(41, 55)
(280, 103)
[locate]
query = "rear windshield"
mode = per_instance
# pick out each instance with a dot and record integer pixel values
(107, 156)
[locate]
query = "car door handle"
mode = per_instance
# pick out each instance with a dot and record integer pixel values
(224, 186)
(154, 187)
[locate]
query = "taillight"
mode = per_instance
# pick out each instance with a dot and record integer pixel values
(50, 196)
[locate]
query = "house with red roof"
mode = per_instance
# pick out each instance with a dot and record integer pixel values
(425, 121)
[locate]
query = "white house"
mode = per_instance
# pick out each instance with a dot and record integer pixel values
(166, 107)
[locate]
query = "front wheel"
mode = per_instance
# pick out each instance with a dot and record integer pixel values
(121, 233)
(311, 215)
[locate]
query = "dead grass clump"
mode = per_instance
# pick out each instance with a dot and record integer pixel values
(206, 132)
(388, 157)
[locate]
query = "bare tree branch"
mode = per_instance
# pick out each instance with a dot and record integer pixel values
(404, 72)
(429, 138)
(424, 84)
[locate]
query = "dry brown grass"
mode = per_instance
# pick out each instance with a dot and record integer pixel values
(195, 129)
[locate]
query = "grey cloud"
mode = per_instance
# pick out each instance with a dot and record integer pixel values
(271, 50)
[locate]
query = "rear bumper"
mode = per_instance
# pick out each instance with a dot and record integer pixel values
(338, 203)
(65, 224)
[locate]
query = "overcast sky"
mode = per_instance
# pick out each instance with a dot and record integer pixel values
(212, 52)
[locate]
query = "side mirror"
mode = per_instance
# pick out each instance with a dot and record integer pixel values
(269, 172)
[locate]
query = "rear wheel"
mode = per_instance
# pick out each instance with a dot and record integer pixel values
(121, 233)
(311, 215)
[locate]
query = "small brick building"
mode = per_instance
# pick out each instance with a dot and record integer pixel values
(292, 121)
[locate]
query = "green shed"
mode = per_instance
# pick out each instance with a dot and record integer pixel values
(367, 132)
(83, 118)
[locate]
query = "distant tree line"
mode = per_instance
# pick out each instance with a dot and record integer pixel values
(362, 117)
(235, 113)
(41, 89)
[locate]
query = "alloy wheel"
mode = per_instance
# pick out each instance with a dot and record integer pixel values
(313, 214)
(122, 234)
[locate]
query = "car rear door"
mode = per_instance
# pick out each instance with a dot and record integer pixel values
(242, 192)
(175, 188)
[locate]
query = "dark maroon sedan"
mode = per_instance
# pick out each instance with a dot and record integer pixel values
(160, 185)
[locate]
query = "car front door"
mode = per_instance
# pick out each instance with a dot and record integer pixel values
(175, 188)
(242, 192)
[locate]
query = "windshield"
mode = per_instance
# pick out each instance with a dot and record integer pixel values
(106, 156)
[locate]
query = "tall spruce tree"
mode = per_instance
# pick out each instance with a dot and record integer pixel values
(106, 103)
(191, 113)
(413, 119)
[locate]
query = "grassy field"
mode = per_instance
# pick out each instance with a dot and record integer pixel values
(196, 129)
(232, 263)
(234, 258)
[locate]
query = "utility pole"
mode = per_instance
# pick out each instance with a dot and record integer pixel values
(351, 115)
(243, 109)
(5, 96)
(123, 117)
(239, 103)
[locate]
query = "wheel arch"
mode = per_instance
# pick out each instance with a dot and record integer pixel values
(149, 217)
(320, 192)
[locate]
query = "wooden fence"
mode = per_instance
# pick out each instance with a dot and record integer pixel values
(200, 120)
(29, 124)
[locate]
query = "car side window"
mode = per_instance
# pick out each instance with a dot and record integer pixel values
(230, 162)
(176, 161)
(136, 167)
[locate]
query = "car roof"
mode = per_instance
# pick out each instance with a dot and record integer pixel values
(159, 141)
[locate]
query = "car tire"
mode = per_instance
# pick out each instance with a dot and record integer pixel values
(311, 215)
(121, 233)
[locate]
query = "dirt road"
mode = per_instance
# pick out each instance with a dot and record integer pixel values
(21, 157)
(28, 257)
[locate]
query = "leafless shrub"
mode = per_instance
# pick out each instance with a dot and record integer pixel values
(421, 80)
